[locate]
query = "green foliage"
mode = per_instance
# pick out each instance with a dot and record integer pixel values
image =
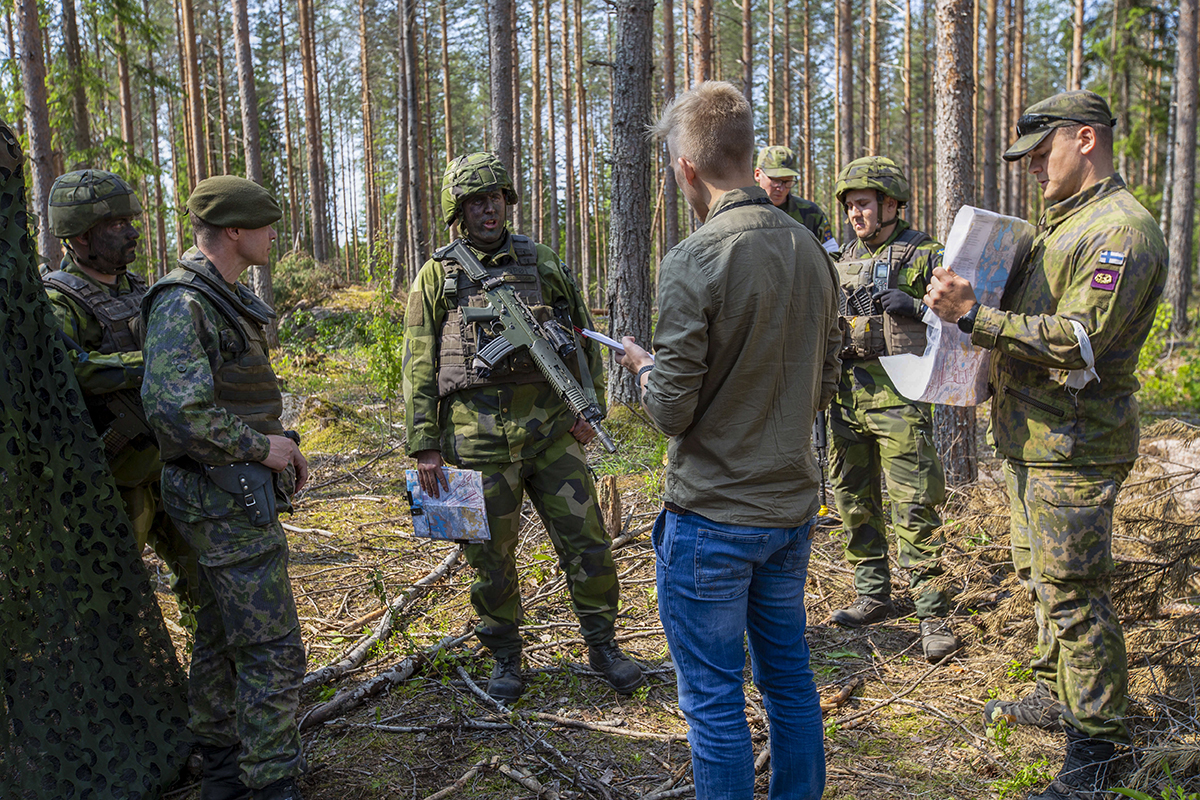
(296, 278)
(1018, 672)
(1170, 378)
(1172, 791)
(1025, 776)
(386, 351)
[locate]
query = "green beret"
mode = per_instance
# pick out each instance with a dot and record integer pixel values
(1065, 108)
(228, 201)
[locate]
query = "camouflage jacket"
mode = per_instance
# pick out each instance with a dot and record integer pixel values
(101, 373)
(810, 215)
(864, 382)
(1099, 259)
(488, 424)
(183, 351)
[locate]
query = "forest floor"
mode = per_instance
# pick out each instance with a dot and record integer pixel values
(407, 720)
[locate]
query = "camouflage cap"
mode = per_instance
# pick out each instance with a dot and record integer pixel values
(1064, 108)
(777, 162)
(228, 201)
(471, 174)
(80, 199)
(873, 172)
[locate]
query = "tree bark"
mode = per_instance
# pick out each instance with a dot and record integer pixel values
(571, 247)
(198, 166)
(954, 428)
(318, 196)
(125, 95)
(1183, 199)
(32, 59)
(1077, 47)
(846, 98)
(295, 226)
(518, 157)
(703, 40)
(500, 34)
(417, 230)
(991, 155)
(748, 52)
(552, 161)
(162, 265)
(260, 274)
(537, 208)
(670, 190)
(82, 133)
(369, 205)
(629, 278)
(222, 105)
(873, 83)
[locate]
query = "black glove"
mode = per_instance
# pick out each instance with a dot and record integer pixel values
(135, 375)
(899, 304)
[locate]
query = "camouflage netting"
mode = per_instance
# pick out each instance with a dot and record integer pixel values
(94, 698)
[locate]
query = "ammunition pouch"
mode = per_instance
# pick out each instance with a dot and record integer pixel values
(253, 486)
(903, 335)
(868, 332)
(862, 336)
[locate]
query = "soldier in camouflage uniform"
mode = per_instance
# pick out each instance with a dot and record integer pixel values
(776, 174)
(214, 402)
(1075, 314)
(883, 276)
(511, 426)
(97, 301)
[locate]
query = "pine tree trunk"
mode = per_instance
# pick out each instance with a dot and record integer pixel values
(518, 162)
(873, 83)
(1183, 200)
(670, 190)
(846, 98)
(748, 50)
(571, 254)
(1018, 101)
(954, 428)
(198, 157)
(32, 60)
(125, 96)
(552, 160)
(629, 278)
(537, 207)
(447, 118)
(703, 41)
(82, 133)
(1077, 46)
(161, 265)
(582, 202)
(369, 206)
(295, 226)
(318, 196)
(222, 105)
(500, 35)
(417, 230)
(991, 155)
(906, 138)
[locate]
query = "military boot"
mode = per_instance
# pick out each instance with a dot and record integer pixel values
(866, 610)
(1084, 773)
(1038, 708)
(937, 639)
(619, 669)
(505, 683)
(282, 789)
(222, 777)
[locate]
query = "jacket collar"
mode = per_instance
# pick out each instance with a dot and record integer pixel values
(1059, 212)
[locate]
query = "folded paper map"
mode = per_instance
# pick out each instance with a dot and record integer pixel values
(458, 514)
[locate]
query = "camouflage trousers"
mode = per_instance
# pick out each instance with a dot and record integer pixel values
(248, 657)
(896, 442)
(561, 488)
(152, 525)
(1062, 552)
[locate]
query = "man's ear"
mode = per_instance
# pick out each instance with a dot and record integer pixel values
(233, 233)
(1086, 137)
(688, 169)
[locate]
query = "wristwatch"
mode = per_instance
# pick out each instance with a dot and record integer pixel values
(966, 323)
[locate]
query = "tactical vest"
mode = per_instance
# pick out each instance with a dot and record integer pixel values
(244, 383)
(460, 339)
(119, 316)
(878, 334)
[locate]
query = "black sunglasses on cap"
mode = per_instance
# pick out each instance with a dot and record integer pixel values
(1032, 123)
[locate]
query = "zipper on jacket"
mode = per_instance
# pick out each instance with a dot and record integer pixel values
(1033, 402)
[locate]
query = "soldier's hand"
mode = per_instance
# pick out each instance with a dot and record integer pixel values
(583, 431)
(898, 303)
(430, 473)
(949, 294)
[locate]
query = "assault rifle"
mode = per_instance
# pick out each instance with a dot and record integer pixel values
(515, 326)
(128, 420)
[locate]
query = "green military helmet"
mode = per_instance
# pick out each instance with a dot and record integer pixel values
(873, 172)
(471, 174)
(80, 199)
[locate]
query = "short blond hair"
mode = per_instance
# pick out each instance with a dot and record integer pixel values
(712, 125)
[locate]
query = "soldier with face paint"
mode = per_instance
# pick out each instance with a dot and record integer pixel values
(509, 424)
(1065, 344)
(97, 301)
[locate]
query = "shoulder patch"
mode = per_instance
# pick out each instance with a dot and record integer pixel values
(1112, 257)
(1105, 279)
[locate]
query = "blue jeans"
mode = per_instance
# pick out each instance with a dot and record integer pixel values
(719, 585)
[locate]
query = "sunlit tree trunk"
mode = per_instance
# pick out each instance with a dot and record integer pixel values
(500, 35)
(629, 278)
(845, 36)
(571, 247)
(537, 200)
(32, 59)
(369, 205)
(295, 226)
(260, 274)
(125, 94)
(552, 161)
(1183, 199)
(161, 265)
(873, 83)
(198, 157)
(447, 117)
(748, 53)
(312, 125)
(670, 190)
(222, 105)
(1077, 47)
(991, 191)
(582, 203)
(416, 224)
(702, 45)
(954, 427)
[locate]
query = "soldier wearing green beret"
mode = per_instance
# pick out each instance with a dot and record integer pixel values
(1065, 344)
(97, 300)
(214, 402)
(874, 429)
(510, 425)
(776, 174)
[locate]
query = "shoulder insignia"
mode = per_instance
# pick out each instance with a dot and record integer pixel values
(1112, 257)
(1105, 279)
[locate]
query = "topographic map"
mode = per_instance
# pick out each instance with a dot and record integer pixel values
(982, 247)
(457, 514)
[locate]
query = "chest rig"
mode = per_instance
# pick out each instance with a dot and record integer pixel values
(462, 337)
(867, 332)
(119, 316)
(244, 383)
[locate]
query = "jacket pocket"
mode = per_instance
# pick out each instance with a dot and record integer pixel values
(1034, 426)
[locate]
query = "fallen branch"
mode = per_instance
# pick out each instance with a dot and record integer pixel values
(839, 699)
(528, 781)
(294, 529)
(678, 791)
(351, 696)
(842, 722)
(464, 780)
(602, 727)
(359, 652)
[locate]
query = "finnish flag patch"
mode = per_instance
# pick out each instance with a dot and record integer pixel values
(1112, 258)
